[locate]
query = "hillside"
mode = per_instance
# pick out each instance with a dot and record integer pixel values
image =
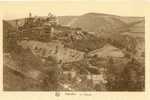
(65, 20)
(100, 23)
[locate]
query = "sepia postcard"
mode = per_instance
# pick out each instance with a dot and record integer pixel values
(94, 49)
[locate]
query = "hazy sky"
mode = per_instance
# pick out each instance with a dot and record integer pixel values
(21, 9)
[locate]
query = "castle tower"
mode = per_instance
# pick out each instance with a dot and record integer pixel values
(30, 15)
(52, 20)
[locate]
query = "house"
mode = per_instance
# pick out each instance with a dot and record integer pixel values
(70, 74)
(107, 50)
(96, 78)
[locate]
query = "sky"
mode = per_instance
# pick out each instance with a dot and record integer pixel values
(14, 10)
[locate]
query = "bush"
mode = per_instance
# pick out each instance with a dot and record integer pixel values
(130, 79)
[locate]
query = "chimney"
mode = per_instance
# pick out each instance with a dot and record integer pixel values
(52, 31)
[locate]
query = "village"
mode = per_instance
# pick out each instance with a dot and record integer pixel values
(52, 57)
